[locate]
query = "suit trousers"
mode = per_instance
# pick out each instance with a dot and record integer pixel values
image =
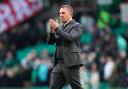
(62, 74)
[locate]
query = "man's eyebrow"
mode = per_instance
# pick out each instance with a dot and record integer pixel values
(61, 12)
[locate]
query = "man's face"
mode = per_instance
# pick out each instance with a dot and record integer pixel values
(65, 14)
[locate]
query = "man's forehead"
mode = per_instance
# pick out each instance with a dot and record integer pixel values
(65, 9)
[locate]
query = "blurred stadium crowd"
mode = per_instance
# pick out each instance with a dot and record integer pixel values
(26, 59)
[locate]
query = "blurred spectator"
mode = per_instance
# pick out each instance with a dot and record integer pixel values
(101, 68)
(40, 69)
(121, 79)
(109, 69)
(26, 64)
(44, 55)
(103, 20)
(87, 21)
(28, 60)
(122, 46)
(10, 61)
(94, 77)
(84, 76)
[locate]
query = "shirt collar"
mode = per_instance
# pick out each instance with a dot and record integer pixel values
(68, 21)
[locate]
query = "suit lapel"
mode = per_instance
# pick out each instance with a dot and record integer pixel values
(67, 26)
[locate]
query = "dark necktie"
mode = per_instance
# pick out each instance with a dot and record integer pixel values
(63, 26)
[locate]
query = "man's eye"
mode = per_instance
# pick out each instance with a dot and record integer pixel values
(62, 13)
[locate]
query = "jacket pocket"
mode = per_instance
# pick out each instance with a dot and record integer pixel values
(71, 57)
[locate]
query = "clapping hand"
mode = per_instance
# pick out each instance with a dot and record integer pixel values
(53, 25)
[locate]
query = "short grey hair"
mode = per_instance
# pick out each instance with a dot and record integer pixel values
(69, 7)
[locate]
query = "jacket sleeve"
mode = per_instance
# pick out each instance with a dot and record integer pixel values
(74, 34)
(51, 39)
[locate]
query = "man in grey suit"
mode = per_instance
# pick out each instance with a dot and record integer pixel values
(67, 58)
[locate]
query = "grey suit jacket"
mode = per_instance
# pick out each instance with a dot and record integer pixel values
(70, 42)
